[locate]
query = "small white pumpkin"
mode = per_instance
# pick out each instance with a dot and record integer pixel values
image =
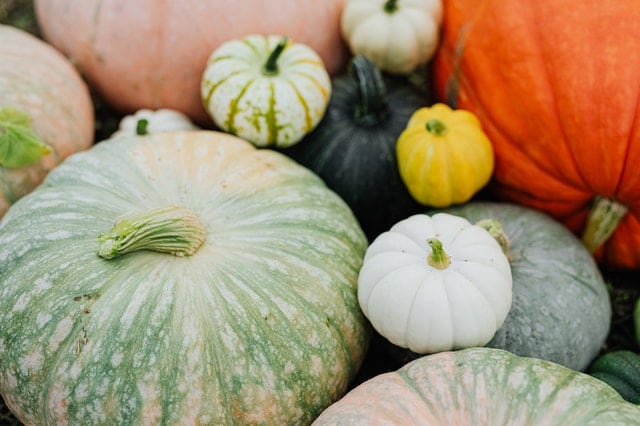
(146, 121)
(397, 35)
(267, 90)
(435, 283)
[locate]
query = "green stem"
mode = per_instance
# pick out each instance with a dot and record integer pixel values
(372, 107)
(19, 144)
(438, 258)
(170, 229)
(436, 127)
(390, 6)
(496, 230)
(271, 65)
(141, 127)
(603, 219)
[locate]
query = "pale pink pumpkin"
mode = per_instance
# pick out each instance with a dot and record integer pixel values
(151, 54)
(39, 81)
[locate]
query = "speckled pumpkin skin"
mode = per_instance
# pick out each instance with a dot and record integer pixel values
(38, 80)
(260, 325)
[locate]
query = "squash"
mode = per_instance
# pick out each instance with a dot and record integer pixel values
(208, 282)
(481, 386)
(44, 105)
(561, 309)
(353, 148)
(146, 121)
(157, 62)
(435, 283)
(444, 157)
(564, 128)
(620, 369)
(398, 36)
(268, 90)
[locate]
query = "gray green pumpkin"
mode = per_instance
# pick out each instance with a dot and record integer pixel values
(255, 320)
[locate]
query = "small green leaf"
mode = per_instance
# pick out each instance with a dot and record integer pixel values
(19, 144)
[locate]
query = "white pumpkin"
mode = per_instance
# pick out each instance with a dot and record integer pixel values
(146, 121)
(435, 283)
(268, 90)
(397, 35)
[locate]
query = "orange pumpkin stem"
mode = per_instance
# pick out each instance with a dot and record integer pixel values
(603, 220)
(438, 258)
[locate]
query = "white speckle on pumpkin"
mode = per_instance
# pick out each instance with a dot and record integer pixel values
(42, 283)
(116, 359)
(60, 333)
(58, 403)
(42, 318)
(21, 303)
(58, 235)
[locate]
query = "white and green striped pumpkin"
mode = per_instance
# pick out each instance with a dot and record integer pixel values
(266, 89)
(482, 387)
(254, 320)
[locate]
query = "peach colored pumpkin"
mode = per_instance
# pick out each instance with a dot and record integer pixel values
(39, 81)
(151, 54)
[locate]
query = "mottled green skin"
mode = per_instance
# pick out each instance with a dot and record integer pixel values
(619, 369)
(261, 325)
(482, 387)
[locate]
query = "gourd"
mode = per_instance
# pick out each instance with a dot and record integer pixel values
(353, 148)
(481, 386)
(398, 36)
(620, 369)
(444, 157)
(146, 121)
(207, 282)
(561, 310)
(160, 63)
(268, 90)
(565, 131)
(44, 105)
(435, 283)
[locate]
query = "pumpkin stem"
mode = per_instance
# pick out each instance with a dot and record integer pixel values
(170, 229)
(436, 127)
(19, 144)
(271, 65)
(372, 107)
(496, 230)
(603, 219)
(438, 258)
(390, 6)
(141, 127)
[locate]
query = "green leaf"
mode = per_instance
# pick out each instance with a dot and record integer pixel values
(19, 144)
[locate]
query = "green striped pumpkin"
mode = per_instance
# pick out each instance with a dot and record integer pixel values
(266, 89)
(483, 387)
(254, 320)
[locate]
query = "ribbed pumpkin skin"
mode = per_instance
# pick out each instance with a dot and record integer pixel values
(621, 370)
(564, 127)
(151, 54)
(260, 325)
(484, 387)
(39, 81)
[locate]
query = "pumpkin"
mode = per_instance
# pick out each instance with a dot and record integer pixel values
(636, 317)
(268, 90)
(564, 129)
(353, 148)
(208, 282)
(146, 121)
(435, 283)
(481, 386)
(157, 62)
(561, 310)
(46, 112)
(620, 369)
(444, 157)
(398, 36)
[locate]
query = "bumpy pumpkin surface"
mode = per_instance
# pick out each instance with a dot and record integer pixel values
(260, 325)
(41, 83)
(565, 128)
(484, 387)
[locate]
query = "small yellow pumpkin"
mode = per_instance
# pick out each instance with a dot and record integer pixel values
(443, 155)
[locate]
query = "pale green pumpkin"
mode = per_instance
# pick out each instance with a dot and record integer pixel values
(268, 90)
(260, 324)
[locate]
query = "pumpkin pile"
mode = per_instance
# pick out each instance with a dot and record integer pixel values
(319, 212)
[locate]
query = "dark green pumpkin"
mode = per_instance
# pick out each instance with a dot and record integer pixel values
(353, 148)
(620, 370)
(561, 309)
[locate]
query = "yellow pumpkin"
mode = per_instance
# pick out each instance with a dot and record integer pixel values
(443, 155)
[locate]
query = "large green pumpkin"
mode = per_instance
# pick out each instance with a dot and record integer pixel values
(561, 311)
(481, 387)
(260, 324)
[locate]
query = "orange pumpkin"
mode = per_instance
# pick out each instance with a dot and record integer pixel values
(151, 54)
(41, 84)
(556, 87)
